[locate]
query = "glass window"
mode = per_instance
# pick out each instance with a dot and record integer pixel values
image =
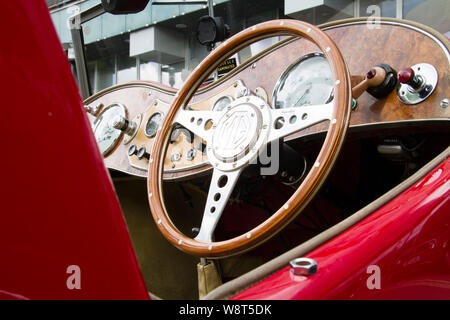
(318, 12)
(126, 68)
(105, 74)
(433, 13)
(380, 8)
(149, 70)
(91, 66)
(171, 75)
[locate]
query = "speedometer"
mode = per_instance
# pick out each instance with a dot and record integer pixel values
(307, 82)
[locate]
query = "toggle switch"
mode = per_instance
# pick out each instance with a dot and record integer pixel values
(379, 82)
(416, 83)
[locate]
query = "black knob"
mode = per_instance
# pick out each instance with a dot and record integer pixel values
(142, 153)
(132, 150)
(389, 83)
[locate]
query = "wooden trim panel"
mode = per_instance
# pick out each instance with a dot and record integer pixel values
(398, 43)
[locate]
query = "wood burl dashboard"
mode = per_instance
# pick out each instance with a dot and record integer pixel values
(141, 106)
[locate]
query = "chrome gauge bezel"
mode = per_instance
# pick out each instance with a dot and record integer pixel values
(214, 108)
(287, 72)
(148, 120)
(117, 133)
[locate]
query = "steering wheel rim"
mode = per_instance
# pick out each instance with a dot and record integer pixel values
(338, 119)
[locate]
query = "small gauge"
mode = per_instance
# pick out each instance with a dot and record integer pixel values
(222, 102)
(106, 135)
(153, 124)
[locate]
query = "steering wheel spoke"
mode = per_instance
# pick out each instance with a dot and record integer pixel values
(287, 121)
(198, 122)
(220, 190)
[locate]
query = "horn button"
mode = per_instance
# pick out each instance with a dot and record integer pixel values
(239, 133)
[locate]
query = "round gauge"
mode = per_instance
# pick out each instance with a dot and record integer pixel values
(221, 103)
(153, 124)
(106, 135)
(307, 82)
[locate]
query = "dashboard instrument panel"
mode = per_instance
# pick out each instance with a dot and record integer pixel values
(292, 73)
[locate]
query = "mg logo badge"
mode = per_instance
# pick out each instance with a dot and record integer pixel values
(239, 133)
(234, 130)
(236, 133)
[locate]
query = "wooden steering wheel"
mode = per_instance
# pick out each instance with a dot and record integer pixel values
(239, 132)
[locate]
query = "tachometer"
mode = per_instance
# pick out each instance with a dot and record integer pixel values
(307, 82)
(105, 134)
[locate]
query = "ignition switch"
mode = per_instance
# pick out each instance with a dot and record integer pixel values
(416, 83)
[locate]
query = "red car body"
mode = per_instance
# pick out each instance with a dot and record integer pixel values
(59, 207)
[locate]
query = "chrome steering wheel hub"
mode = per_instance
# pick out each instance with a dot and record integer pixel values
(239, 134)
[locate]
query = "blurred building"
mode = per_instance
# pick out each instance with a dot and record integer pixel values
(160, 44)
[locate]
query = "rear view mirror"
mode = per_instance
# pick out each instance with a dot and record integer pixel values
(124, 6)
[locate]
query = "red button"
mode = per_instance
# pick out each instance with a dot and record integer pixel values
(405, 75)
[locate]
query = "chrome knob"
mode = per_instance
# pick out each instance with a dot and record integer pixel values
(142, 153)
(132, 150)
(122, 124)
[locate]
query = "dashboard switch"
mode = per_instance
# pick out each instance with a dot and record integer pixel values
(142, 153)
(379, 82)
(132, 150)
(407, 76)
(416, 83)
